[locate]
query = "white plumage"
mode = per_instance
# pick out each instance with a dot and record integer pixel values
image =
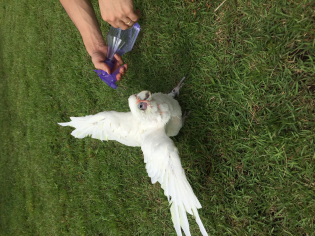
(152, 120)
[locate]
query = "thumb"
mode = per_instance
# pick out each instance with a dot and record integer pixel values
(102, 66)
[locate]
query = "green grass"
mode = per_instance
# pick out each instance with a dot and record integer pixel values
(247, 149)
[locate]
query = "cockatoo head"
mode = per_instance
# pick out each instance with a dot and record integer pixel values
(145, 108)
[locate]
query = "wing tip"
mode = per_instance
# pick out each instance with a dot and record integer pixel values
(64, 124)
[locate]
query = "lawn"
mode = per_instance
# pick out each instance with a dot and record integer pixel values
(247, 148)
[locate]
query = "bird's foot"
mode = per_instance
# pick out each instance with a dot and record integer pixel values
(186, 114)
(175, 91)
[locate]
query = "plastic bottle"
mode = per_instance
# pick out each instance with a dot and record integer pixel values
(118, 41)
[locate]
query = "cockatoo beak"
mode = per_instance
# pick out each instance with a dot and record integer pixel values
(144, 96)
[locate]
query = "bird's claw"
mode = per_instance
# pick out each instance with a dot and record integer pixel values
(186, 114)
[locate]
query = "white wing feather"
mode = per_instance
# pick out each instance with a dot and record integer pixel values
(108, 125)
(163, 165)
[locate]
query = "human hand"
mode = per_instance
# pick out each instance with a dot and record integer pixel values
(98, 59)
(119, 13)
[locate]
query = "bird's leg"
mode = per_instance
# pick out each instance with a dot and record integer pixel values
(175, 91)
(184, 117)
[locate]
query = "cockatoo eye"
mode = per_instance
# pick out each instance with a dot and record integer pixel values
(142, 105)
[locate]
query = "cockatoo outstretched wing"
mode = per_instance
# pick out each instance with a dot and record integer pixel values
(163, 165)
(108, 125)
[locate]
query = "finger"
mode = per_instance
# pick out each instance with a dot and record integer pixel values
(128, 22)
(123, 69)
(134, 16)
(118, 59)
(118, 77)
(114, 24)
(118, 63)
(121, 24)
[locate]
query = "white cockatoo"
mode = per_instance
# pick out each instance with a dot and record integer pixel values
(152, 120)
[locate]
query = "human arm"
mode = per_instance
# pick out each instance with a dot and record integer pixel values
(83, 16)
